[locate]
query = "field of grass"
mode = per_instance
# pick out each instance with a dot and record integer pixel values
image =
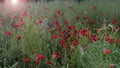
(60, 34)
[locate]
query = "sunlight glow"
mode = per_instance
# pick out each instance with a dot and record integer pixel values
(14, 1)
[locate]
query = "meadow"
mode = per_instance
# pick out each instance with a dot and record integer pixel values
(60, 34)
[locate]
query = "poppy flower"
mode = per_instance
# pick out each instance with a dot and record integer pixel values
(55, 55)
(37, 61)
(77, 17)
(24, 14)
(54, 37)
(119, 41)
(114, 21)
(111, 40)
(102, 23)
(50, 62)
(40, 21)
(107, 51)
(85, 17)
(63, 43)
(8, 33)
(75, 43)
(112, 65)
(60, 34)
(28, 6)
(94, 7)
(21, 23)
(94, 38)
(16, 25)
(40, 57)
(18, 37)
(83, 32)
(27, 60)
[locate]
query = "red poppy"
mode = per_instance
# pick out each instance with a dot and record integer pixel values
(63, 43)
(18, 37)
(60, 34)
(94, 7)
(54, 37)
(22, 23)
(27, 60)
(40, 21)
(75, 43)
(40, 57)
(102, 23)
(112, 65)
(83, 32)
(114, 21)
(111, 40)
(107, 51)
(16, 25)
(8, 33)
(77, 17)
(37, 61)
(50, 62)
(55, 55)
(24, 14)
(94, 38)
(28, 6)
(119, 41)
(85, 17)
(65, 22)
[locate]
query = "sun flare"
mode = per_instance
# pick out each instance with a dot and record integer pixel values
(14, 1)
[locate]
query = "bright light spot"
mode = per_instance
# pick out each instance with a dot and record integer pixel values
(14, 1)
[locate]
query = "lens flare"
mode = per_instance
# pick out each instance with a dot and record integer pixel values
(14, 1)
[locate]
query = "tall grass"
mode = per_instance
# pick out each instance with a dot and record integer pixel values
(37, 38)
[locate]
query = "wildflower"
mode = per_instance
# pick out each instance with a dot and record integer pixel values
(22, 23)
(18, 37)
(94, 7)
(117, 27)
(119, 41)
(94, 38)
(71, 39)
(60, 34)
(8, 33)
(112, 65)
(83, 32)
(85, 17)
(54, 37)
(102, 23)
(65, 22)
(24, 14)
(70, 7)
(77, 17)
(75, 43)
(63, 43)
(55, 55)
(40, 57)
(107, 51)
(37, 61)
(68, 47)
(111, 40)
(50, 62)
(28, 6)
(40, 21)
(27, 60)
(114, 21)
(56, 23)
(16, 25)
